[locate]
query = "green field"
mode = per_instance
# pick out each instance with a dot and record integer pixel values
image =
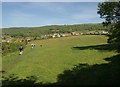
(57, 55)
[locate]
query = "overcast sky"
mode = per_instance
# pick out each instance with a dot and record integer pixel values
(24, 14)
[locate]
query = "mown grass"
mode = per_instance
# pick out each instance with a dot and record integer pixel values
(55, 56)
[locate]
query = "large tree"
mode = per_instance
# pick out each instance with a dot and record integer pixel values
(110, 11)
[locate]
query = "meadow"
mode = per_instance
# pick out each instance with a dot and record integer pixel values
(58, 58)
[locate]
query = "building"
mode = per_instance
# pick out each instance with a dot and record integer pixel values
(56, 35)
(7, 39)
(76, 33)
(66, 35)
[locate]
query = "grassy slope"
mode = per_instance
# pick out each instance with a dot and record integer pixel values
(55, 56)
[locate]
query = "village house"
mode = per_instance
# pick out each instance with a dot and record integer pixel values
(96, 33)
(26, 39)
(66, 35)
(76, 33)
(56, 35)
(44, 36)
(92, 33)
(7, 39)
(105, 32)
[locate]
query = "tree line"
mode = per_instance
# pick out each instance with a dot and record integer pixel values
(38, 31)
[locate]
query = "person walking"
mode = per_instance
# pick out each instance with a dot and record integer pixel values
(21, 49)
(32, 46)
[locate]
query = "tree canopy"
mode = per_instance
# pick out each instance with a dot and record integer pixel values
(110, 11)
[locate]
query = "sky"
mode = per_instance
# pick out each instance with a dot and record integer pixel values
(33, 14)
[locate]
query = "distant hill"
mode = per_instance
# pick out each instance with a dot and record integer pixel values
(37, 31)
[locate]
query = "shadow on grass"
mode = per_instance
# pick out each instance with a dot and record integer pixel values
(14, 81)
(99, 74)
(81, 74)
(103, 47)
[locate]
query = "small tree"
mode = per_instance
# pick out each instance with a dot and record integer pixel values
(110, 11)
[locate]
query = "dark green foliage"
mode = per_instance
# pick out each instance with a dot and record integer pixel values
(110, 11)
(14, 81)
